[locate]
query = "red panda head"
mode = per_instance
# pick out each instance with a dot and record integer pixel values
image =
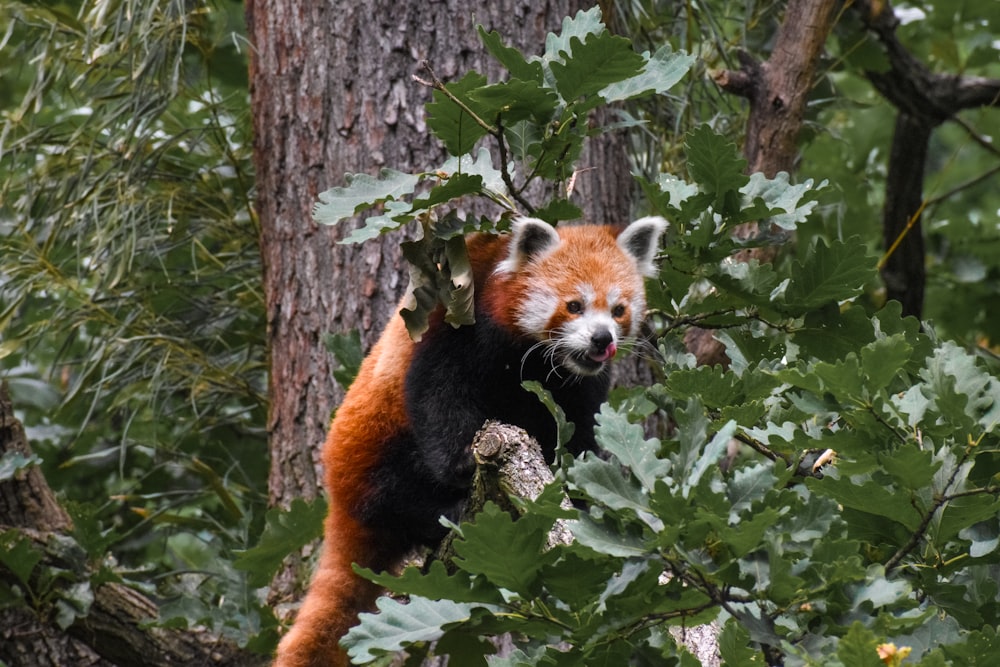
(577, 291)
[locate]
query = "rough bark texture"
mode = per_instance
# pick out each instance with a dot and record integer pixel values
(332, 92)
(113, 633)
(777, 90)
(924, 99)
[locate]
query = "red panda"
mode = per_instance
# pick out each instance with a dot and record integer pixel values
(550, 306)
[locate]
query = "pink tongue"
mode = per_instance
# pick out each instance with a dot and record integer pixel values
(608, 352)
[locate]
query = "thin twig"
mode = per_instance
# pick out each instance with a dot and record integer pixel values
(436, 84)
(505, 175)
(918, 534)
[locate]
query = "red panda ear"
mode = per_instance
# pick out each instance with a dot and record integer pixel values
(640, 241)
(531, 238)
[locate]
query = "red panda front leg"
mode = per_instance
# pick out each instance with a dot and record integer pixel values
(335, 595)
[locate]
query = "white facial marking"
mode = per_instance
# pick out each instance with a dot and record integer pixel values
(535, 312)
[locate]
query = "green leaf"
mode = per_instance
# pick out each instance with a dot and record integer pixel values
(961, 386)
(346, 349)
(588, 66)
(606, 539)
(479, 164)
(452, 124)
(748, 485)
(981, 648)
(581, 26)
(18, 554)
(436, 582)
(869, 497)
(564, 429)
(74, 602)
(626, 441)
(398, 625)
(734, 646)
(605, 483)
(577, 580)
(750, 282)
(515, 100)
(910, 466)
(677, 190)
(879, 591)
(882, 359)
(858, 647)
(559, 209)
(362, 192)
(285, 531)
(505, 551)
(463, 648)
(440, 274)
(455, 186)
(778, 195)
(509, 57)
(662, 71)
(832, 272)
(843, 379)
(714, 162)
(692, 432)
(394, 215)
(709, 460)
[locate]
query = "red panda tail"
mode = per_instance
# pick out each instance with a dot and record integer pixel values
(335, 596)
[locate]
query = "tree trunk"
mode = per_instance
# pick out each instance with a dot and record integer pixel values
(777, 90)
(924, 99)
(332, 92)
(903, 268)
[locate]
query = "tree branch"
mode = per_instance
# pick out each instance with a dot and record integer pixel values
(925, 99)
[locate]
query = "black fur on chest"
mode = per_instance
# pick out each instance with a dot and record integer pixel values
(458, 379)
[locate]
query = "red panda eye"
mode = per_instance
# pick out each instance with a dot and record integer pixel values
(618, 310)
(574, 307)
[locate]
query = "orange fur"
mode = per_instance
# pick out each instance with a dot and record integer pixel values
(374, 411)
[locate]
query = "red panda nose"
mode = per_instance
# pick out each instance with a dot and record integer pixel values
(602, 345)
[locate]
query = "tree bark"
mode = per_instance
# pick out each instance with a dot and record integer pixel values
(332, 92)
(113, 632)
(903, 270)
(777, 90)
(779, 87)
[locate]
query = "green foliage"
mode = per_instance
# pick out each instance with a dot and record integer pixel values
(346, 349)
(131, 316)
(285, 531)
(958, 221)
(127, 273)
(795, 563)
(53, 587)
(536, 121)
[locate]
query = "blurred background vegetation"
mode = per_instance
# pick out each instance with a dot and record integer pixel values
(132, 328)
(131, 310)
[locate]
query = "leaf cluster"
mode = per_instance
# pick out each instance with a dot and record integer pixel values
(534, 123)
(131, 316)
(729, 515)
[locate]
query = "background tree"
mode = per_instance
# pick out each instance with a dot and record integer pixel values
(329, 99)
